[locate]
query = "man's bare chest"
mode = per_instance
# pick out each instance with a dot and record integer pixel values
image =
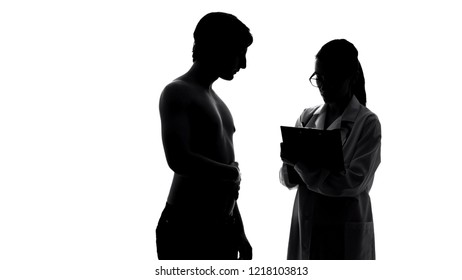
(212, 115)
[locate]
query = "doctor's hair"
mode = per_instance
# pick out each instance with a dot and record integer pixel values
(219, 33)
(343, 55)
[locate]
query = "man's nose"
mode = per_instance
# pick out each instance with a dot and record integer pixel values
(243, 63)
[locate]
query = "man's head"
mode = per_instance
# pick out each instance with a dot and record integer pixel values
(221, 40)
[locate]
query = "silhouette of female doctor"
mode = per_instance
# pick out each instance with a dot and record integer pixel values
(332, 214)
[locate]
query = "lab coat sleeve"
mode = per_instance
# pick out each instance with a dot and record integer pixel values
(284, 177)
(358, 174)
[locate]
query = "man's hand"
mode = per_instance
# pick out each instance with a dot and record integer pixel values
(238, 178)
(244, 248)
(237, 183)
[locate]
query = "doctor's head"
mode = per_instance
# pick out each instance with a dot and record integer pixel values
(338, 73)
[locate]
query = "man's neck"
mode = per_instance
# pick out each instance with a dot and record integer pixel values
(202, 74)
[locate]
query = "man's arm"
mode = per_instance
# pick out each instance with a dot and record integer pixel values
(244, 247)
(174, 104)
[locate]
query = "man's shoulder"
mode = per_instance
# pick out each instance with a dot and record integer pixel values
(177, 88)
(184, 95)
(178, 91)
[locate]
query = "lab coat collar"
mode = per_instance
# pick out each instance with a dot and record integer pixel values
(350, 113)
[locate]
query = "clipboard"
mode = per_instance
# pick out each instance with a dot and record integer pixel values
(318, 148)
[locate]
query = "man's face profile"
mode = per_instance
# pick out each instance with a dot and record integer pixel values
(230, 62)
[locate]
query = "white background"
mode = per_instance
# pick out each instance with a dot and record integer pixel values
(83, 177)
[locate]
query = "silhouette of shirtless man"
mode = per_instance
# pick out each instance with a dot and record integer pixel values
(201, 219)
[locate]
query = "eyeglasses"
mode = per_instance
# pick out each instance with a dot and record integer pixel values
(316, 80)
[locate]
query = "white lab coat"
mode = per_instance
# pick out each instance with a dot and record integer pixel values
(332, 215)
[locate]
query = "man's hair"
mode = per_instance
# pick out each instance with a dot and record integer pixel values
(218, 33)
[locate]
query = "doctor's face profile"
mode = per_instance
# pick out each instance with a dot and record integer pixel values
(333, 86)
